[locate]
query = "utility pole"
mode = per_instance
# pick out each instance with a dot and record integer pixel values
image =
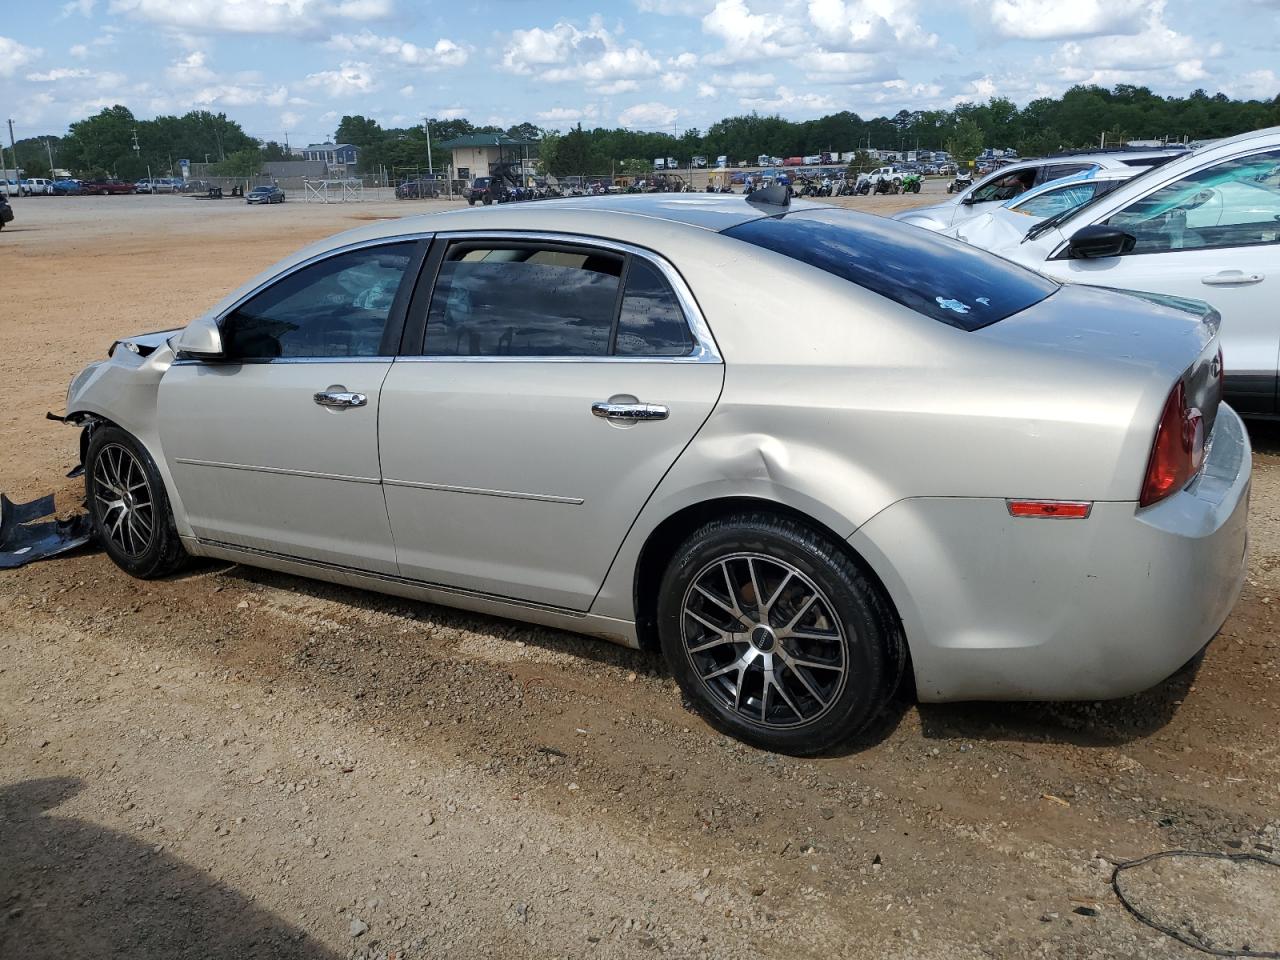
(13, 151)
(49, 150)
(426, 126)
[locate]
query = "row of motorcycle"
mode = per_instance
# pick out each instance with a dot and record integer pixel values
(863, 185)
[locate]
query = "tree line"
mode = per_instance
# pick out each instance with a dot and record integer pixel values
(104, 144)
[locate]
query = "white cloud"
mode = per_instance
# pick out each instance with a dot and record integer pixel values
(790, 103)
(253, 16)
(443, 53)
(823, 66)
(1155, 50)
(290, 119)
(870, 25)
(14, 56)
(59, 73)
(78, 50)
(406, 90)
(565, 53)
(651, 116)
(751, 36)
(237, 95)
(82, 7)
(352, 76)
(1255, 85)
(559, 118)
(190, 69)
(1054, 20)
(675, 8)
(706, 91)
(671, 82)
(616, 87)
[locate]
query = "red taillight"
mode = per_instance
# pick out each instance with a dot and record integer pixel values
(1178, 450)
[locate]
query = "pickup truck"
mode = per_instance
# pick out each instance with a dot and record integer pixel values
(109, 187)
(36, 187)
(885, 173)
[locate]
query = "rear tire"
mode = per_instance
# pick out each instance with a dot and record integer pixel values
(129, 507)
(776, 636)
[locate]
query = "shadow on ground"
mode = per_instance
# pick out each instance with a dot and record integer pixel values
(71, 889)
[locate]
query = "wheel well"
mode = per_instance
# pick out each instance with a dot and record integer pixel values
(661, 546)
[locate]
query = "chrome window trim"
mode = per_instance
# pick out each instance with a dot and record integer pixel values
(705, 348)
(188, 362)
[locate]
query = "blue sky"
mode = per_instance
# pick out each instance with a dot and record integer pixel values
(296, 66)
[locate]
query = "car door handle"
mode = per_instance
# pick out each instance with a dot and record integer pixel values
(630, 411)
(1232, 278)
(334, 398)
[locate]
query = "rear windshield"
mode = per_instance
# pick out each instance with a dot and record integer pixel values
(941, 278)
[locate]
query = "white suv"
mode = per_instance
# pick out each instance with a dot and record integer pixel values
(1204, 226)
(1012, 179)
(36, 186)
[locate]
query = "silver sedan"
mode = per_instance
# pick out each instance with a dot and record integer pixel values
(799, 450)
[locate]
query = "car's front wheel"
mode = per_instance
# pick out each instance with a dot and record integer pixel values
(129, 507)
(776, 636)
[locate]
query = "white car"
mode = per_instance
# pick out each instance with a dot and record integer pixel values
(1204, 226)
(1009, 222)
(37, 186)
(1015, 178)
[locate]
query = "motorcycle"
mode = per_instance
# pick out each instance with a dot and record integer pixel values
(962, 182)
(863, 186)
(911, 183)
(886, 185)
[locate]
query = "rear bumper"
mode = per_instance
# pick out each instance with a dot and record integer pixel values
(998, 608)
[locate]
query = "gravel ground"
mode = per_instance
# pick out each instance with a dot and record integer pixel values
(235, 763)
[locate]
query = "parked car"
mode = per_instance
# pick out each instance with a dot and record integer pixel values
(108, 187)
(265, 194)
(67, 187)
(1009, 180)
(698, 162)
(1206, 226)
(951, 509)
(1009, 221)
(6, 211)
(155, 185)
(419, 189)
(36, 187)
(10, 188)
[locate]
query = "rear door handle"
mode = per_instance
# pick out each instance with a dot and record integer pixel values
(630, 411)
(1232, 278)
(335, 398)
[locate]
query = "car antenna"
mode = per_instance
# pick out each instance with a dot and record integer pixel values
(774, 195)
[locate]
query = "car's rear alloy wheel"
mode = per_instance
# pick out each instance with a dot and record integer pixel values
(764, 640)
(129, 507)
(776, 635)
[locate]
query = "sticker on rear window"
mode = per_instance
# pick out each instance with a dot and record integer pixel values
(955, 305)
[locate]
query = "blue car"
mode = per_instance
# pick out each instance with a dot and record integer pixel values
(66, 188)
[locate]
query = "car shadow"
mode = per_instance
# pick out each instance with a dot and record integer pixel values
(1093, 723)
(1265, 436)
(1079, 723)
(73, 889)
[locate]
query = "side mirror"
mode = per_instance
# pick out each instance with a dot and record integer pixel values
(200, 340)
(1099, 240)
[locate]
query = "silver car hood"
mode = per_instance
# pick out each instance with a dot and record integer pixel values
(994, 231)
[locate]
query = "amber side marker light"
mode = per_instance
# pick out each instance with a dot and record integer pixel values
(1050, 509)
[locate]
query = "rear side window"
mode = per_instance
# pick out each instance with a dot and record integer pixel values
(943, 279)
(651, 323)
(523, 301)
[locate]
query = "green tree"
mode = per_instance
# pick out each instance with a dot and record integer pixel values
(242, 163)
(965, 142)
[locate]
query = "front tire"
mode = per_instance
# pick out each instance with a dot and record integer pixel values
(129, 507)
(776, 636)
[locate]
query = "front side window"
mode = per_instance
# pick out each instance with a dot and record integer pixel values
(1234, 203)
(335, 308)
(1004, 187)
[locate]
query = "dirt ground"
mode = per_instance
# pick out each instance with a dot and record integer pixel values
(235, 763)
